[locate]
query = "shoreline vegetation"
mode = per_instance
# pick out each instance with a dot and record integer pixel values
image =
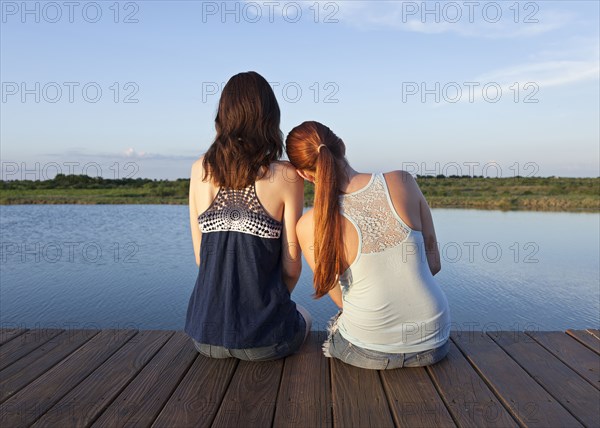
(510, 193)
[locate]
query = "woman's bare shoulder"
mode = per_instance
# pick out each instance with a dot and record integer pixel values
(400, 179)
(199, 172)
(400, 175)
(283, 165)
(403, 185)
(198, 167)
(283, 173)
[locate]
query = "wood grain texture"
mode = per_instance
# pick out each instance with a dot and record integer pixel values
(34, 364)
(577, 356)
(252, 394)
(196, 400)
(119, 378)
(466, 395)
(594, 332)
(29, 404)
(24, 344)
(142, 400)
(304, 398)
(527, 401)
(413, 399)
(83, 403)
(7, 334)
(564, 384)
(358, 397)
(586, 338)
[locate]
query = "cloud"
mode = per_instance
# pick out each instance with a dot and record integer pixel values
(495, 20)
(569, 47)
(548, 73)
(526, 80)
(131, 153)
(574, 60)
(128, 154)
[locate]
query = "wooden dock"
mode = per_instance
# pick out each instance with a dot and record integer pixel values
(116, 378)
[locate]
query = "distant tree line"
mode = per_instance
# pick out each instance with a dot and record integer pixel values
(62, 181)
(450, 191)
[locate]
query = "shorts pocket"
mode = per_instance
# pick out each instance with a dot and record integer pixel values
(258, 354)
(428, 357)
(364, 358)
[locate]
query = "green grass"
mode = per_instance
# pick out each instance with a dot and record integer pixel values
(528, 193)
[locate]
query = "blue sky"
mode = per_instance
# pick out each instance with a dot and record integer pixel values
(512, 97)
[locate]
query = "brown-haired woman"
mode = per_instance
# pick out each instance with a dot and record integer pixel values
(244, 205)
(375, 254)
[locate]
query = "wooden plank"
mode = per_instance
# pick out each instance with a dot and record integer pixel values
(413, 399)
(358, 397)
(251, 396)
(141, 401)
(586, 338)
(466, 395)
(8, 334)
(82, 405)
(594, 332)
(198, 396)
(577, 356)
(304, 398)
(24, 344)
(565, 385)
(527, 401)
(18, 375)
(29, 404)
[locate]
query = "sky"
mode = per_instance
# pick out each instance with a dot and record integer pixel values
(130, 89)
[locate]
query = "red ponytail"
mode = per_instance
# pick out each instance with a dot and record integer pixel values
(312, 146)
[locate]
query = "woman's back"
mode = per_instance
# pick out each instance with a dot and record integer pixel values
(240, 299)
(371, 243)
(244, 205)
(270, 187)
(391, 301)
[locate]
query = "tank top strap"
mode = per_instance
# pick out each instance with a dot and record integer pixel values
(388, 196)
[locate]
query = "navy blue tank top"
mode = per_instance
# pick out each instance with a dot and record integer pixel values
(239, 300)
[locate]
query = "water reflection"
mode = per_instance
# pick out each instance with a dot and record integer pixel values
(133, 266)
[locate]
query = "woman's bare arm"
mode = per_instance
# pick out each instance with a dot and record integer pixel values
(293, 199)
(195, 175)
(306, 236)
(431, 245)
(412, 207)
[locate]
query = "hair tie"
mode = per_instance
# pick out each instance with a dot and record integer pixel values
(319, 148)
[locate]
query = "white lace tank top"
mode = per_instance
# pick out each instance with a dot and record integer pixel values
(392, 303)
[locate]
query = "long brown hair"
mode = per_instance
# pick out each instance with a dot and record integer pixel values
(312, 146)
(248, 135)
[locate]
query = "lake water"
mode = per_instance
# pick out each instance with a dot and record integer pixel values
(132, 266)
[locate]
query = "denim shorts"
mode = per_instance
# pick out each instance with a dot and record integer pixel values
(265, 353)
(354, 355)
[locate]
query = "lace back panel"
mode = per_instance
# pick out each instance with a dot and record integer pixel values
(239, 211)
(371, 212)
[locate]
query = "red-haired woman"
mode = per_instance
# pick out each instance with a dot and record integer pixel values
(371, 243)
(244, 205)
